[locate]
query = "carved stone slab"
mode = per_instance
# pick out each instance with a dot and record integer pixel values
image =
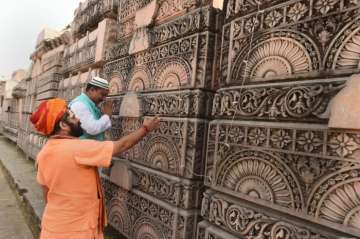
(175, 148)
(138, 215)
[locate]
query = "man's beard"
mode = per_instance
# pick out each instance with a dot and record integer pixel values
(75, 129)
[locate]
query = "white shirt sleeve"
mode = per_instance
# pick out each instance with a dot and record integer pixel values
(88, 122)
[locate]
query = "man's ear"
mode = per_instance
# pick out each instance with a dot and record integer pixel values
(64, 126)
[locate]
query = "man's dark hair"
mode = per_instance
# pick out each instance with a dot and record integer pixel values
(90, 86)
(57, 125)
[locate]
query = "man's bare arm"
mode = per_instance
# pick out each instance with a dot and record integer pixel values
(130, 140)
(45, 193)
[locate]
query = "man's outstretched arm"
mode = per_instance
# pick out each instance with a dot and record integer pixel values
(130, 140)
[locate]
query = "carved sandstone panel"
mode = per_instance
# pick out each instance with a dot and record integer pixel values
(182, 64)
(139, 216)
(175, 148)
(178, 192)
(288, 165)
(184, 103)
(300, 101)
(247, 221)
(288, 40)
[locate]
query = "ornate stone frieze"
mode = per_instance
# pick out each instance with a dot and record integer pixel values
(174, 104)
(175, 148)
(260, 176)
(128, 8)
(81, 56)
(185, 46)
(301, 101)
(336, 197)
(289, 40)
(182, 64)
(283, 12)
(181, 104)
(122, 66)
(139, 216)
(199, 20)
(91, 12)
(120, 49)
(180, 193)
(249, 223)
(275, 55)
(308, 140)
(342, 55)
(301, 168)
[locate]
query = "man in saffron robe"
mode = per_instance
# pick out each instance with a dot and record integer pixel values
(68, 172)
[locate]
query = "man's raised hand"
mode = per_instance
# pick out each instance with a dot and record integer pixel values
(151, 123)
(107, 108)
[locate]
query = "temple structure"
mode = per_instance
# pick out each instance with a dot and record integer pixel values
(259, 133)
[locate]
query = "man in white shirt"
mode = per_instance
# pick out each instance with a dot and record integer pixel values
(94, 121)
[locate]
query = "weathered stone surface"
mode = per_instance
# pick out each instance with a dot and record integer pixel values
(144, 17)
(258, 97)
(345, 111)
(138, 215)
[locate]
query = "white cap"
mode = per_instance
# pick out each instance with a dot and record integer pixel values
(99, 82)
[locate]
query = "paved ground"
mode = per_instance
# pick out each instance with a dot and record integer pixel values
(21, 175)
(12, 221)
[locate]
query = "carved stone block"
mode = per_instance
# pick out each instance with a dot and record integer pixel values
(185, 103)
(143, 19)
(300, 101)
(186, 63)
(179, 192)
(286, 165)
(288, 40)
(137, 215)
(244, 220)
(176, 147)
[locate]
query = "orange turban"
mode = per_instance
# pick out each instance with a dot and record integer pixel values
(48, 114)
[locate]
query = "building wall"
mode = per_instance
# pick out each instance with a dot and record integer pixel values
(245, 148)
(275, 169)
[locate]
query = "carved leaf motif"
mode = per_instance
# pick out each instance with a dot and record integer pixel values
(251, 224)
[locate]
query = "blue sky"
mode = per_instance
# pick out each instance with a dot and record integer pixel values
(20, 23)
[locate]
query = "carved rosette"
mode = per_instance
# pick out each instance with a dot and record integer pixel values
(140, 80)
(276, 57)
(119, 216)
(173, 75)
(260, 175)
(144, 229)
(116, 84)
(348, 55)
(160, 153)
(337, 198)
(280, 54)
